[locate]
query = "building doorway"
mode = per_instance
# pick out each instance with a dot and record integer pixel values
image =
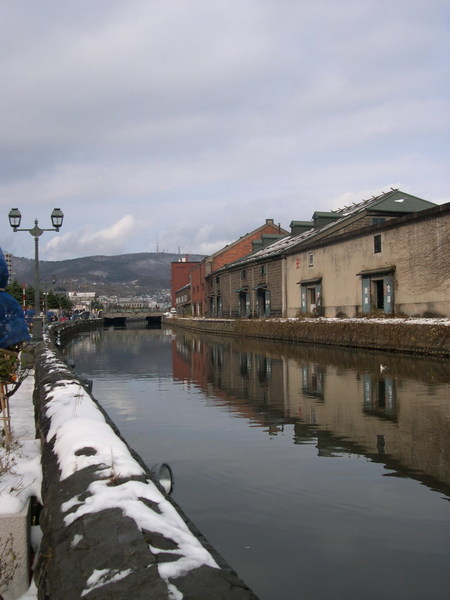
(244, 304)
(311, 297)
(377, 292)
(262, 302)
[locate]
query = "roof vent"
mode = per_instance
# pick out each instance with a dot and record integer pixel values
(298, 227)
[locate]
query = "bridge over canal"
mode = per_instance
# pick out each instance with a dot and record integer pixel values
(120, 317)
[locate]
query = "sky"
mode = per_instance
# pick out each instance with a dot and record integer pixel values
(181, 125)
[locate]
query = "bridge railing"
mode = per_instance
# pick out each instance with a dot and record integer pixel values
(133, 311)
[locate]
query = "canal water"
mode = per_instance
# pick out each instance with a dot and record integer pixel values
(317, 473)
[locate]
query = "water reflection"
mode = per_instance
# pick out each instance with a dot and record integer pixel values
(127, 351)
(393, 409)
(300, 464)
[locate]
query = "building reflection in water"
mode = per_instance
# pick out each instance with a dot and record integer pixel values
(338, 399)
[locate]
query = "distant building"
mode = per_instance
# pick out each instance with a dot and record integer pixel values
(180, 272)
(82, 300)
(183, 301)
(8, 260)
(205, 298)
(135, 303)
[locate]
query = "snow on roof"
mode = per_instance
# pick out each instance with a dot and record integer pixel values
(280, 246)
(283, 244)
(358, 206)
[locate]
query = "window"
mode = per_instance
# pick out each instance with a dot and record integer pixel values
(378, 220)
(243, 274)
(376, 244)
(263, 269)
(310, 259)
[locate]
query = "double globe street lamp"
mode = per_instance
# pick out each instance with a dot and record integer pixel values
(57, 217)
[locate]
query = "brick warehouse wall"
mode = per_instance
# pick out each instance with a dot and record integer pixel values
(201, 287)
(275, 285)
(232, 280)
(179, 276)
(198, 295)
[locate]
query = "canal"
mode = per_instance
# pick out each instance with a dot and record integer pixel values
(317, 473)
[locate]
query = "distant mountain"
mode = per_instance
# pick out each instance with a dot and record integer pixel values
(123, 275)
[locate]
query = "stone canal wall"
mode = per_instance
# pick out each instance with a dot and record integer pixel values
(419, 336)
(109, 528)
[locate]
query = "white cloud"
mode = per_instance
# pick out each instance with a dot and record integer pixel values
(206, 118)
(111, 240)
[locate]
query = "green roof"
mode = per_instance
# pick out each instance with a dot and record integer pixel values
(397, 201)
(328, 215)
(300, 224)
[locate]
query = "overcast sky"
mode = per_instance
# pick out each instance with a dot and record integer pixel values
(184, 124)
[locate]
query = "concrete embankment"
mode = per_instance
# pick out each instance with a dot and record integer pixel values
(109, 529)
(419, 336)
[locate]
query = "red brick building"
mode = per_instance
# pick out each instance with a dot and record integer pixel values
(232, 252)
(180, 275)
(198, 289)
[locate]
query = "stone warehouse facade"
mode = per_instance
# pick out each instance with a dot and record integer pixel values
(389, 255)
(400, 267)
(248, 290)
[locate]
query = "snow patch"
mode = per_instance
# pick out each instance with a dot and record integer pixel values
(169, 523)
(101, 577)
(23, 478)
(77, 424)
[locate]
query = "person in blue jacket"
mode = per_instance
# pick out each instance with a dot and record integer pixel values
(13, 327)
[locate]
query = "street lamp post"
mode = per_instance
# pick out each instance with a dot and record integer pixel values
(57, 217)
(53, 281)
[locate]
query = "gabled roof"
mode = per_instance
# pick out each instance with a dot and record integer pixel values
(394, 201)
(275, 249)
(269, 222)
(390, 203)
(184, 287)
